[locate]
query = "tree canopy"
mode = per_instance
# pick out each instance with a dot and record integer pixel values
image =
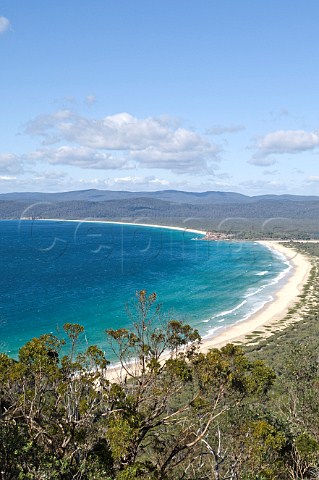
(167, 411)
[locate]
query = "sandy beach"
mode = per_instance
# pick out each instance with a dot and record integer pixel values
(274, 311)
(167, 227)
(285, 297)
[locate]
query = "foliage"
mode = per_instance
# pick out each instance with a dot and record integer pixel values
(247, 217)
(168, 411)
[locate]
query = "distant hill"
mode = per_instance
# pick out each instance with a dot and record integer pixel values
(177, 196)
(223, 211)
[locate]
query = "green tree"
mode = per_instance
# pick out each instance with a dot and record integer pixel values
(168, 412)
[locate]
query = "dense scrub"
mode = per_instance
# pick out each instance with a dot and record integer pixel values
(168, 412)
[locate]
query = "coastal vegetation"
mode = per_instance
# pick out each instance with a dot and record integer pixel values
(161, 418)
(167, 411)
(265, 216)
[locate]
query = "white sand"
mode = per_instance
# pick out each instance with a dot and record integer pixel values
(286, 296)
(183, 229)
(274, 311)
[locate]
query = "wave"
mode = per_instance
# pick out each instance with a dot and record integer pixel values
(281, 256)
(274, 281)
(254, 299)
(251, 294)
(256, 309)
(227, 312)
(282, 274)
(256, 304)
(211, 332)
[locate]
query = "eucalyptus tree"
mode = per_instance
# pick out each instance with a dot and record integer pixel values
(167, 411)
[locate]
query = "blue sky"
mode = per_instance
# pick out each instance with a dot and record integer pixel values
(161, 94)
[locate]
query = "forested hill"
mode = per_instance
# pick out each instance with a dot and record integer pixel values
(176, 196)
(225, 211)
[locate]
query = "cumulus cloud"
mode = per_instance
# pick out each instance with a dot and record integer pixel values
(150, 142)
(47, 126)
(182, 151)
(4, 25)
(82, 157)
(10, 164)
(222, 129)
(289, 141)
(286, 141)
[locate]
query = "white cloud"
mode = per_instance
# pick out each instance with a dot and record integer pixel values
(182, 151)
(140, 181)
(150, 142)
(222, 129)
(46, 126)
(289, 141)
(4, 25)
(131, 183)
(286, 141)
(82, 157)
(262, 186)
(7, 178)
(50, 175)
(116, 132)
(10, 164)
(313, 179)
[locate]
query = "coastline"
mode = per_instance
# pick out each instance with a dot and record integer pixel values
(271, 313)
(274, 311)
(167, 227)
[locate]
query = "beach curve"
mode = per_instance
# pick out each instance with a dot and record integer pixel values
(285, 297)
(272, 312)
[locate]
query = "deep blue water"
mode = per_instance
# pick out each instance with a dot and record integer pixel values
(58, 272)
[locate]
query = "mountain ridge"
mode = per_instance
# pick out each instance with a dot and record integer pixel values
(176, 196)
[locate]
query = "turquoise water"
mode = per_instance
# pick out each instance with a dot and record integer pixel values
(58, 272)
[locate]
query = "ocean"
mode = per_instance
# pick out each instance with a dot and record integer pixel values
(83, 272)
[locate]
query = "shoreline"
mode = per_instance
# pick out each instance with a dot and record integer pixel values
(286, 296)
(167, 227)
(270, 313)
